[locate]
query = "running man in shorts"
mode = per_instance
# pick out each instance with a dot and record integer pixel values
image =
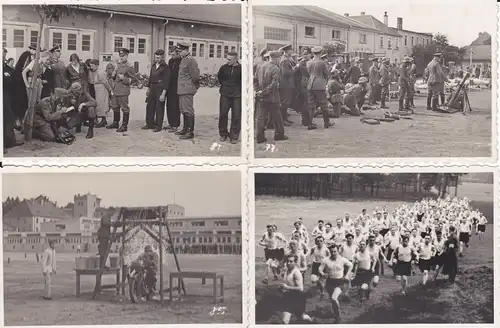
(426, 252)
(270, 242)
(402, 258)
(392, 241)
(294, 299)
(293, 246)
(319, 252)
(465, 230)
(332, 269)
(347, 251)
(481, 226)
(364, 269)
(377, 253)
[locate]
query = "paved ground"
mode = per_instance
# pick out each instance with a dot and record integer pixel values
(429, 134)
(23, 284)
(137, 142)
(470, 300)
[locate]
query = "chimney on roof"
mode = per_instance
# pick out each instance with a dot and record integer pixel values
(362, 13)
(346, 15)
(386, 19)
(400, 23)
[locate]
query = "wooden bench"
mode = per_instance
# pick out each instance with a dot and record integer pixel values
(94, 272)
(199, 275)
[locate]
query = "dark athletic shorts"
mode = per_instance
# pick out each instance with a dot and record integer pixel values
(403, 269)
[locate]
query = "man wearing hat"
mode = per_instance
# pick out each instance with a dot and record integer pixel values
(286, 86)
(354, 72)
(354, 97)
(50, 114)
(85, 108)
(333, 90)
(267, 90)
(258, 63)
(173, 107)
(156, 92)
(435, 81)
(123, 75)
(385, 79)
(58, 68)
(20, 93)
(404, 84)
(374, 79)
(9, 120)
(316, 87)
(230, 98)
(187, 85)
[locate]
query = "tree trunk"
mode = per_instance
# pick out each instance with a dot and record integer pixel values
(30, 113)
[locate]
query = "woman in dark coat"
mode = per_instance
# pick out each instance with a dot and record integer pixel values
(77, 71)
(19, 92)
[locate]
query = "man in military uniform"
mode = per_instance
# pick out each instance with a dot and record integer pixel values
(122, 76)
(286, 87)
(187, 86)
(84, 108)
(268, 93)
(229, 76)
(334, 89)
(412, 78)
(354, 72)
(259, 62)
(385, 79)
(58, 68)
(316, 88)
(404, 84)
(435, 80)
(50, 114)
(173, 111)
(9, 120)
(156, 92)
(354, 97)
(302, 78)
(374, 79)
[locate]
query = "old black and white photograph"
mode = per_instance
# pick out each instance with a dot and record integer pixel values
(96, 247)
(95, 80)
(374, 248)
(403, 79)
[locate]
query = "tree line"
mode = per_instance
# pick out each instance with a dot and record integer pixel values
(330, 185)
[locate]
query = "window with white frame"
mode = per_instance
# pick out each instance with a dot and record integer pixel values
(226, 50)
(274, 33)
(33, 38)
(4, 38)
(406, 40)
(118, 44)
(131, 45)
(335, 34)
(141, 46)
(201, 52)
(381, 42)
(397, 43)
(362, 38)
(18, 38)
(389, 43)
(418, 40)
(412, 41)
(71, 44)
(211, 50)
(309, 31)
(194, 49)
(86, 42)
(219, 51)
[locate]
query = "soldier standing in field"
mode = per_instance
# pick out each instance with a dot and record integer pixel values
(411, 90)
(259, 62)
(385, 79)
(302, 80)
(374, 79)
(187, 85)
(268, 93)
(316, 88)
(404, 84)
(286, 86)
(156, 93)
(435, 80)
(122, 76)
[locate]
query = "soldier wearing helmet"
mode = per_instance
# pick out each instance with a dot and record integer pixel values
(404, 84)
(334, 91)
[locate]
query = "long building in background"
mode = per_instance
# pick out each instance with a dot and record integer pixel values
(99, 31)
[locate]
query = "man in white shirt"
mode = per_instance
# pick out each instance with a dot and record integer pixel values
(48, 269)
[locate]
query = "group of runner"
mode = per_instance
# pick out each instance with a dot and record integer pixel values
(350, 255)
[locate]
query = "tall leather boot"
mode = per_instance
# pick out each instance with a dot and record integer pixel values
(441, 96)
(190, 127)
(116, 121)
(90, 131)
(429, 100)
(435, 103)
(124, 126)
(401, 104)
(184, 126)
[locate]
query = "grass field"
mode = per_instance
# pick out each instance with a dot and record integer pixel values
(23, 285)
(429, 134)
(470, 300)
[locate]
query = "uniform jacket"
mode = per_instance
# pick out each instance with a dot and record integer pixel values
(403, 76)
(357, 91)
(48, 75)
(85, 98)
(436, 74)
(373, 75)
(160, 75)
(334, 87)
(259, 62)
(353, 74)
(49, 261)
(268, 81)
(385, 75)
(122, 87)
(189, 76)
(59, 74)
(230, 80)
(302, 75)
(46, 112)
(287, 72)
(318, 75)
(173, 63)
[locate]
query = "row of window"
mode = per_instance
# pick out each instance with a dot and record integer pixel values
(38, 240)
(205, 240)
(72, 240)
(129, 43)
(280, 34)
(219, 223)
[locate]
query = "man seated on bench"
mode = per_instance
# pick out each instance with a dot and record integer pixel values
(149, 261)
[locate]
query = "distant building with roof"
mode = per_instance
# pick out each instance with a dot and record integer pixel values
(99, 31)
(478, 53)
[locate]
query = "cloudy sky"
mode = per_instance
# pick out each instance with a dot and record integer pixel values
(201, 193)
(460, 20)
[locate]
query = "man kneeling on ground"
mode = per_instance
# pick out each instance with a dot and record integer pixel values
(50, 115)
(85, 109)
(355, 97)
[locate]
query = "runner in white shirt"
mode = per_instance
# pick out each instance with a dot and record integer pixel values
(481, 226)
(364, 270)
(301, 245)
(426, 252)
(319, 229)
(318, 253)
(392, 240)
(328, 234)
(339, 233)
(347, 251)
(358, 236)
(375, 250)
(348, 223)
(301, 257)
(465, 230)
(402, 259)
(270, 242)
